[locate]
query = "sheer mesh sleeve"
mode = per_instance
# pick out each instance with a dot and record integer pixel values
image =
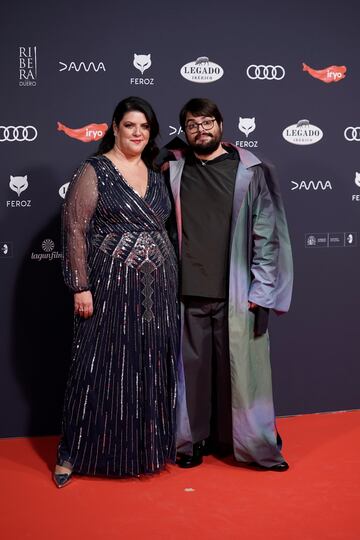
(79, 207)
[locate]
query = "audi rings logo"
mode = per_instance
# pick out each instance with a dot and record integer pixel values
(265, 73)
(352, 133)
(18, 133)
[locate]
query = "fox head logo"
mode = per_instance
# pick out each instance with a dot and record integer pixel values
(142, 62)
(357, 179)
(18, 184)
(247, 125)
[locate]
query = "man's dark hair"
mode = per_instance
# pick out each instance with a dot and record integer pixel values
(200, 107)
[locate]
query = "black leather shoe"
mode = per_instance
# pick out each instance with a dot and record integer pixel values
(200, 449)
(187, 462)
(279, 467)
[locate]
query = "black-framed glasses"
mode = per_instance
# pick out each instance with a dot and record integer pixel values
(193, 127)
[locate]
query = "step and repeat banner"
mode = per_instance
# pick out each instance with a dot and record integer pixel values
(287, 82)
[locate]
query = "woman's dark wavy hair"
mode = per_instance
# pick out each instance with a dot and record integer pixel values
(128, 104)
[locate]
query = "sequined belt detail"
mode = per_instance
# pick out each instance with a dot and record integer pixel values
(133, 248)
(144, 251)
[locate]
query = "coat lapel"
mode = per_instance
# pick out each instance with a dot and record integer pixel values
(243, 178)
(176, 169)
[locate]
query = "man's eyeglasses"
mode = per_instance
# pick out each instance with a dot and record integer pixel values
(193, 127)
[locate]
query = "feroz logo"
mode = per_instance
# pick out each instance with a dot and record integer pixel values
(18, 184)
(63, 190)
(89, 133)
(327, 75)
(18, 133)
(27, 66)
(356, 197)
(311, 184)
(247, 126)
(6, 250)
(48, 253)
(202, 70)
(142, 62)
(265, 73)
(81, 66)
(302, 133)
(352, 133)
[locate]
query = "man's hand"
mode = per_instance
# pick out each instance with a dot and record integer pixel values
(252, 306)
(83, 304)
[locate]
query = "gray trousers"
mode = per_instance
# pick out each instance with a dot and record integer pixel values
(207, 369)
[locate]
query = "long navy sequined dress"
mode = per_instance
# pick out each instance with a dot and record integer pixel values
(119, 411)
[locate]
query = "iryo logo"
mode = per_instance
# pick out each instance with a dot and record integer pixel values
(89, 133)
(327, 75)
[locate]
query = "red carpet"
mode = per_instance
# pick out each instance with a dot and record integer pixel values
(318, 498)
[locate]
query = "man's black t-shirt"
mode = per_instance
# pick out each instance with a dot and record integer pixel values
(207, 189)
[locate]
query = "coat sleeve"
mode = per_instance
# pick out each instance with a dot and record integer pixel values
(79, 207)
(264, 248)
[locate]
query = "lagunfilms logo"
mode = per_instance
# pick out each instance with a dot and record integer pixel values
(48, 251)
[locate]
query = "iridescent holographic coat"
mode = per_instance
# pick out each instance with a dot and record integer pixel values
(260, 271)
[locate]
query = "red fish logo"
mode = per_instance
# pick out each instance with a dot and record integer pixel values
(89, 133)
(327, 75)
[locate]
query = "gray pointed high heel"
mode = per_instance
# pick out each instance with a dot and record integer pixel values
(62, 479)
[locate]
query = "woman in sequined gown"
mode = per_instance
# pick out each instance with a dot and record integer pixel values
(119, 411)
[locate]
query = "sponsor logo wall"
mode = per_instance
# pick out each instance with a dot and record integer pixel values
(303, 117)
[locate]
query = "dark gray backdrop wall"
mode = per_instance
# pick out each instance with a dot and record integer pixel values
(72, 62)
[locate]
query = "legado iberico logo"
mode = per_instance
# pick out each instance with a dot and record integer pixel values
(202, 70)
(302, 133)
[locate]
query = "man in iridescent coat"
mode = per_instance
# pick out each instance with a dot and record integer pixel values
(236, 266)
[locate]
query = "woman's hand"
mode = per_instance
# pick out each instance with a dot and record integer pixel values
(83, 304)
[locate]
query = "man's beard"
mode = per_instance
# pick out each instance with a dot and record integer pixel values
(207, 148)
